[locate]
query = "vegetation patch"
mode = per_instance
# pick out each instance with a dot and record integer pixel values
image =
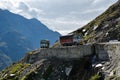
(12, 72)
(118, 78)
(95, 77)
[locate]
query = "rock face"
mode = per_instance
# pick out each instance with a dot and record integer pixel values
(105, 27)
(109, 55)
(49, 69)
(19, 35)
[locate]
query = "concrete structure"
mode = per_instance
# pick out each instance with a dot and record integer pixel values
(105, 51)
(67, 52)
(63, 52)
(109, 52)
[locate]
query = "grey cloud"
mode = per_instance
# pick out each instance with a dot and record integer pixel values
(63, 15)
(27, 10)
(102, 3)
(69, 15)
(23, 6)
(62, 7)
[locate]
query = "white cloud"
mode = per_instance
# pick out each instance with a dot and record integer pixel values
(59, 15)
(28, 11)
(64, 25)
(97, 1)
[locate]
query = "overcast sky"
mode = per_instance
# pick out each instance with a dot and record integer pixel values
(63, 16)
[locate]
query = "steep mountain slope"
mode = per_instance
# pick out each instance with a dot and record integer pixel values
(102, 29)
(19, 35)
(15, 45)
(105, 27)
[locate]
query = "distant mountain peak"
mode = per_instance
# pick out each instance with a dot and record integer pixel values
(21, 34)
(35, 20)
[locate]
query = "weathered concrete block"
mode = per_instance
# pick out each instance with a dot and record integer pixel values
(105, 51)
(67, 52)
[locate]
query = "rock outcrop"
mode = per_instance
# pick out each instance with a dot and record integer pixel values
(49, 69)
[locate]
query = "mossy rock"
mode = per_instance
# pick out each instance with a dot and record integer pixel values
(13, 69)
